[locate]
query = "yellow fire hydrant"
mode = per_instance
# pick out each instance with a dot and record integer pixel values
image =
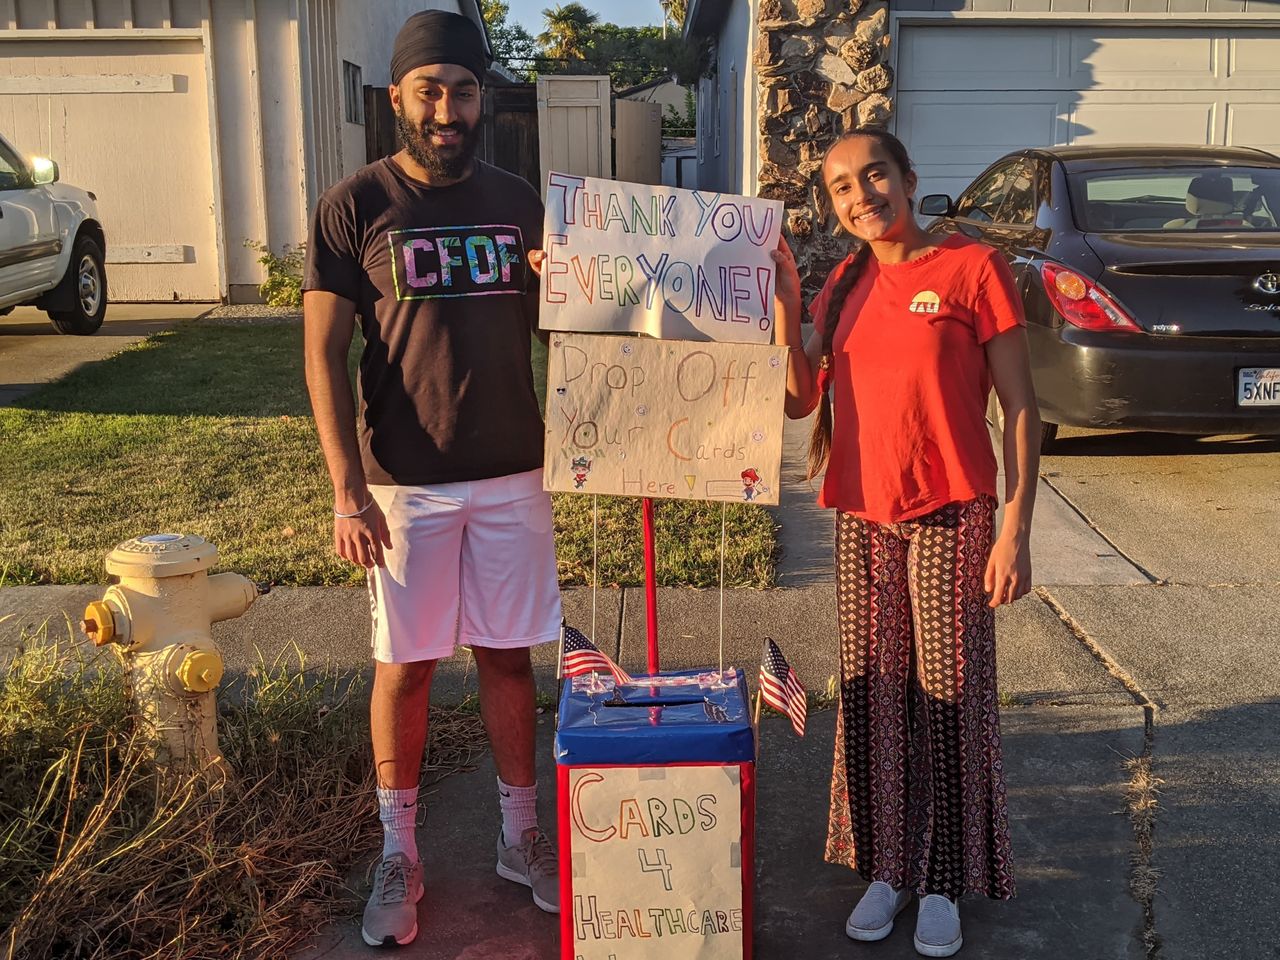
(160, 615)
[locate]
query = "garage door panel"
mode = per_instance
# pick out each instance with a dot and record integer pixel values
(950, 58)
(1255, 58)
(934, 122)
(145, 154)
(1128, 59)
(981, 57)
(1110, 119)
(952, 139)
(1254, 125)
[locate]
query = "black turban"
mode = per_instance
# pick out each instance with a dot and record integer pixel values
(434, 36)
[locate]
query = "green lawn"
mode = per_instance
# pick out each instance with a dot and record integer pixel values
(205, 429)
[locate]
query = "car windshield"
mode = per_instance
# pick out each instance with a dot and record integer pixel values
(1219, 199)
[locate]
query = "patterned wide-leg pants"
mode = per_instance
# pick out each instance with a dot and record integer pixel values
(917, 791)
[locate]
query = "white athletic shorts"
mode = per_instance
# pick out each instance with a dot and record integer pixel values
(470, 563)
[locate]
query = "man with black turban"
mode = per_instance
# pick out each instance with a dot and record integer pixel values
(437, 476)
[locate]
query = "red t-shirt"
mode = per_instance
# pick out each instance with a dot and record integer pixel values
(911, 380)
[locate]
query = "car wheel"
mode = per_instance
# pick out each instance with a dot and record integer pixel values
(995, 416)
(85, 282)
(1048, 436)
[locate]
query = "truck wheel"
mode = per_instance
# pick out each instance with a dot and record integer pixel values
(85, 284)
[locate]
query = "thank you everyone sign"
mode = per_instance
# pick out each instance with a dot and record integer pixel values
(657, 862)
(664, 418)
(675, 264)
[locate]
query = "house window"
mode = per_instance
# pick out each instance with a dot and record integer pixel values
(353, 92)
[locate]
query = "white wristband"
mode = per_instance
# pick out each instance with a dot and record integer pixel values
(348, 516)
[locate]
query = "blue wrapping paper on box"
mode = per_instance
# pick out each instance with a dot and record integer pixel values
(691, 716)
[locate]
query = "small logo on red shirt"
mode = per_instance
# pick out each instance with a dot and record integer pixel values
(926, 301)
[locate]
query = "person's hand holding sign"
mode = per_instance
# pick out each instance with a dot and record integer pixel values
(536, 259)
(786, 288)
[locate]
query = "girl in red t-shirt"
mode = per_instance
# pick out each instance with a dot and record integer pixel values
(911, 332)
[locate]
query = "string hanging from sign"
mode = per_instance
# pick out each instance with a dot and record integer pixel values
(595, 560)
(724, 508)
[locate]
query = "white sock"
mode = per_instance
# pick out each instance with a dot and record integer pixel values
(519, 810)
(398, 810)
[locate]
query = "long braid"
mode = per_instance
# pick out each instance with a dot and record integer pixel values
(820, 441)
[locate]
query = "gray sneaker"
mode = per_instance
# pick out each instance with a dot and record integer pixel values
(391, 916)
(872, 918)
(938, 927)
(532, 862)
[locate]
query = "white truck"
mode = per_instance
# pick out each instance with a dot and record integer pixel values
(52, 247)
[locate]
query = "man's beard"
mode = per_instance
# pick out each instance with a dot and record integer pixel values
(441, 163)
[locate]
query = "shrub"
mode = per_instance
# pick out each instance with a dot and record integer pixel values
(283, 286)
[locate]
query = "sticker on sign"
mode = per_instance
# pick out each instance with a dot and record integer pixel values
(1259, 387)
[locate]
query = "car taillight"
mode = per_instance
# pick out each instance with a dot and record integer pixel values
(1082, 302)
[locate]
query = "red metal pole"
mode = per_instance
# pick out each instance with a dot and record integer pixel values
(650, 585)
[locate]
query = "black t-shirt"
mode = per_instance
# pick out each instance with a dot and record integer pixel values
(447, 302)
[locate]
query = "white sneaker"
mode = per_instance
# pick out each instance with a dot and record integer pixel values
(938, 927)
(872, 918)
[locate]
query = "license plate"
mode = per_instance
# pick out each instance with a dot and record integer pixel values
(1258, 387)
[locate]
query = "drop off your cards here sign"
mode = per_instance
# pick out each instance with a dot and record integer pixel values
(675, 264)
(664, 418)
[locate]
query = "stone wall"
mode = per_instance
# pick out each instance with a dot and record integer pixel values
(822, 69)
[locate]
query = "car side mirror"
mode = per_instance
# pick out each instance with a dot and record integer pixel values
(937, 205)
(43, 170)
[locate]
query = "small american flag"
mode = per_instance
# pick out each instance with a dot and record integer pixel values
(781, 688)
(581, 656)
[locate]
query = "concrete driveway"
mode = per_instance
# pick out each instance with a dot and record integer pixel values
(32, 352)
(1200, 516)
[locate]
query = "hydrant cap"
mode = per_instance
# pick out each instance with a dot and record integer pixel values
(200, 671)
(99, 625)
(161, 555)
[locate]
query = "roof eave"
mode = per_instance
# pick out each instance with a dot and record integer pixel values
(704, 18)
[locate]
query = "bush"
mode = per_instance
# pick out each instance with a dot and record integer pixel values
(106, 859)
(283, 286)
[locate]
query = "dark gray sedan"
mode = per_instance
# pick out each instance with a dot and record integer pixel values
(1151, 280)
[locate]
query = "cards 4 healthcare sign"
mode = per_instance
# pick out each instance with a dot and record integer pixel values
(675, 264)
(657, 862)
(664, 418)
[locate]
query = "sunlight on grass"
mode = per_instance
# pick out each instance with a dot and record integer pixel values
(206, 429)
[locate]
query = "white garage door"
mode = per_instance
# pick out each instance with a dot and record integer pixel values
(968, 94)
(129, 121)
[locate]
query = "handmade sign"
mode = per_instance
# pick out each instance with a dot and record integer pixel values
(664, 418)
(675, 264)
(656, 856)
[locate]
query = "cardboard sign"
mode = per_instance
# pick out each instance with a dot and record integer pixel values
(675, 264)
(657, 862)
(664, 418)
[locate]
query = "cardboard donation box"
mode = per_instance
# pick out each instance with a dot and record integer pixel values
(657, 817)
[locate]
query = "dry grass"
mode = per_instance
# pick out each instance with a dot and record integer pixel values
(1142, 798)
(103, 859)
